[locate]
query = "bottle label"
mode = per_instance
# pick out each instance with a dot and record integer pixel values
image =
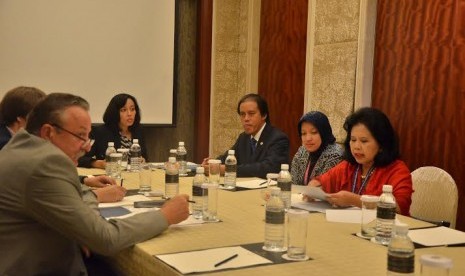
(285, 186)
(196, 190)
(230, 168)
(275, 217)
(401, 264)
(386, 212)
(171, 178)
(181, 157)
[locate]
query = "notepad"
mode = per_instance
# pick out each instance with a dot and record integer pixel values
(113, 212)
(437, 236)
(205, 260)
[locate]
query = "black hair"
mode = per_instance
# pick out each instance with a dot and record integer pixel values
(380, 128)
(111, 116)
(261, 104)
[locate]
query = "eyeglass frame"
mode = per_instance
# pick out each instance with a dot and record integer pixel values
(88, 142)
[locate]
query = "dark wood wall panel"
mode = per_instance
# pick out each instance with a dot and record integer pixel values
(203, 79)
(419, 82)
(281, 77)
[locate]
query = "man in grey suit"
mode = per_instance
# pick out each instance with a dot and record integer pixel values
(261, 148)
(44, 222)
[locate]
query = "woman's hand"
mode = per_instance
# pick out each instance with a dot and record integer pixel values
(344, 199)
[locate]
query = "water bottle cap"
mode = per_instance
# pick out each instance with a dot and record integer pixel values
(172, 159)
(231, 152)
(436, 261)
(181, 143)
(173, 150)
(284, 166)
(116, 154)
(387, 188)
(200, 169)
(111, 144)
(214, 161)
(135, 141)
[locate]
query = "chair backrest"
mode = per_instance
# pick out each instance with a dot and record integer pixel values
(435, 196)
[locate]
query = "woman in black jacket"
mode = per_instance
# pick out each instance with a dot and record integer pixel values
(121, 125)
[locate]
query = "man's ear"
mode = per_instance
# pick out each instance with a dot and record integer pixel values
(47, 132)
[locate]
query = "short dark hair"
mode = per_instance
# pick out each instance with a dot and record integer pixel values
(18, 102)
(380, 127)
(111, 116)
(261, 104)
(50, 110)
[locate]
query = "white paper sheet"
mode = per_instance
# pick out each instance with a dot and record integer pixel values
(313, 206)
(313, 192)
(205, 260)
(255, 183)
(127, 201)
(437, 236)
(345, 215)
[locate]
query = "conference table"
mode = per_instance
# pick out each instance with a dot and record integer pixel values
(332, 247)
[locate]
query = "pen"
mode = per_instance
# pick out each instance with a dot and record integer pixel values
(226, 260)
(121, 182)
(168, 198)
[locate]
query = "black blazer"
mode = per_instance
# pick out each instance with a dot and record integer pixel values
(272, 151)
(102, 135)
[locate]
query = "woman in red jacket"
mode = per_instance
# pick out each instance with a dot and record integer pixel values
(371, 160)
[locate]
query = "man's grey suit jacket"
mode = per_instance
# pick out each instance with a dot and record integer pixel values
(43, 219)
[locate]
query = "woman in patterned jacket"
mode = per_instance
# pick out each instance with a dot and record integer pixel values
(319, 151)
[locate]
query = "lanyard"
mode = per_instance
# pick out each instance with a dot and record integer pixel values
(364, 181)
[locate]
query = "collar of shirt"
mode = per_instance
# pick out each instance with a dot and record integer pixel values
(10, 130)
(259, 133)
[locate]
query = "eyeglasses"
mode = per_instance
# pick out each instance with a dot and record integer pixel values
(87, 142)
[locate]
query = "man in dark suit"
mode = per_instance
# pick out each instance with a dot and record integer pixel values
(261, 148)
(43, 219)
(15, 106)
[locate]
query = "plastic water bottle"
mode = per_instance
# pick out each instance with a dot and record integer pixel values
(401, 252)
(274, 226)
(230, 171)
(182, 159)
(385, 215)
(198, 206)
(285, 184)
(136, 155)
(171, 178)
(108, 165)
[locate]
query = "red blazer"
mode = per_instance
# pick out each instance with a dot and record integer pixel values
(396, 174)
